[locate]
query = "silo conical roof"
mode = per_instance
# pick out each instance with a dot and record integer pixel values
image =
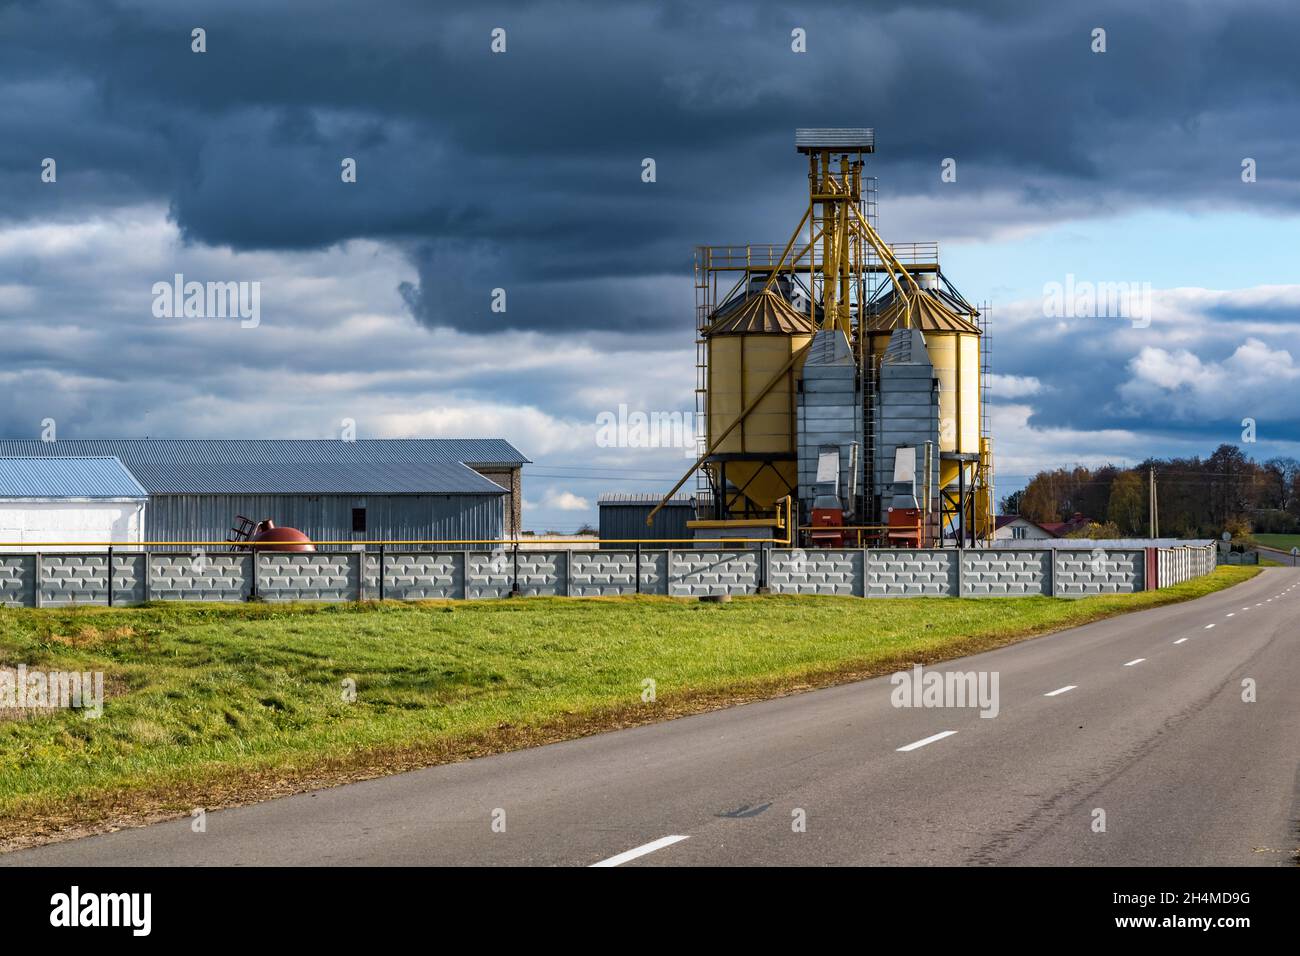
(929, 314)
(764, 313)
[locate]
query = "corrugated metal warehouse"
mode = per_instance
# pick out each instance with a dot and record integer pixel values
(622, 517)
(366, 490)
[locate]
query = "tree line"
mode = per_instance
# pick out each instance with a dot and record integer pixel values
(1196, 497)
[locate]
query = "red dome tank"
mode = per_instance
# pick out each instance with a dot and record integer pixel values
(285, 539)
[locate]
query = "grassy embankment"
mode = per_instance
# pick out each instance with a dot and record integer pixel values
(1278, 542)
(216, 705)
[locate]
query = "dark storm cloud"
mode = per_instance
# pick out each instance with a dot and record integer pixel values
(522, 170)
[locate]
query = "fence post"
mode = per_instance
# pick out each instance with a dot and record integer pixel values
(38, 571)
(381, 572)
(252, 585)
(361, 573)
(110, 575)
(514, 582)
(638, 568)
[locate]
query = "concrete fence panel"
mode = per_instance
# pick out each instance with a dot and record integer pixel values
(542, 573)
(607, 573)
(68, 579)
(1004, 572)
(817, 572)
(488, 574)
(319, 576)
(417, 575)
(1080, 572)
(698, 573)
(912, 573)
(18, 580)
(130, 573)
(200, 577)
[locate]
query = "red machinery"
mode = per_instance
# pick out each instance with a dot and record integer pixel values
(905, 527)
(266, 530)
(827, 514)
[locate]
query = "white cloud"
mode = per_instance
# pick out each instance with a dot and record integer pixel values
(1181, 385)
(1012, 386)
(566, 501)
(527, 427)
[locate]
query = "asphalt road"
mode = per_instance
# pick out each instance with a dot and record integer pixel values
(1282, 557)
(1153, 731)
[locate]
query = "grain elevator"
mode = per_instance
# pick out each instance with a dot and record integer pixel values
(840, 378)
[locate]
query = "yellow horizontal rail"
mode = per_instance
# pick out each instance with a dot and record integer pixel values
(845, 527)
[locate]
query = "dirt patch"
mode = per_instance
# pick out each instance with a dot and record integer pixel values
(58, 694)
(90, 636)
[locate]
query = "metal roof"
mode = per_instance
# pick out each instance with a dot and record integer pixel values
(764, 313)
(641, 498)
(344, 478)
(292, 466)
(853, 138)
(929, 314)
(77, 477)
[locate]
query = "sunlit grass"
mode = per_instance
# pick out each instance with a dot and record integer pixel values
(1280, 542)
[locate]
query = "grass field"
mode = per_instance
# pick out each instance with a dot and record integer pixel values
(214, 705)
(1282, 542)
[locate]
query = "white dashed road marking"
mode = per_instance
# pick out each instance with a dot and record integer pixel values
(1180, 640)
(1136, 660)
(1060, 690)
(641, 851)
(927, 740)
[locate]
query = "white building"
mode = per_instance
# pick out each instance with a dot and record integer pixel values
(1016, 528)
(68, 504)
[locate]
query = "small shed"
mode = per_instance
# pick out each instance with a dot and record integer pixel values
(623, 516)
(50, 501)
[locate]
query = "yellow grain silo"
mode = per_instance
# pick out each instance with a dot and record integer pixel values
(749, 343)
(952, 339)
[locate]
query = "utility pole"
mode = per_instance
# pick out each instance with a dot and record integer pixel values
(1151, 501)
(1155, 497)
